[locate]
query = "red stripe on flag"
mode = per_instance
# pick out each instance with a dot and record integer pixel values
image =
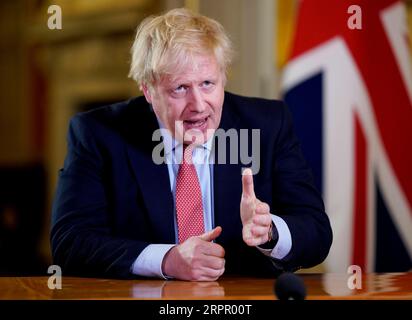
(360, 205)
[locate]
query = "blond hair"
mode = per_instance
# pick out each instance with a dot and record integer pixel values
(168, 42)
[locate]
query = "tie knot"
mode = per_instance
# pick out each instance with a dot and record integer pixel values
(188, 154)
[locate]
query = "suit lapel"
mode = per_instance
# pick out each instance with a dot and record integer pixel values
(153, 179)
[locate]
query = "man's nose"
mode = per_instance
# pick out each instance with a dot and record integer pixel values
(197, 102)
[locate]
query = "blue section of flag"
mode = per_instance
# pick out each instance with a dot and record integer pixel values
(391, 253)
(305, 104)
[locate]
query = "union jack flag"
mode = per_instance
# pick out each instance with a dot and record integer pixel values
(350, 93)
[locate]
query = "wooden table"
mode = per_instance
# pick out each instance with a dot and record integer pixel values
(319, 287)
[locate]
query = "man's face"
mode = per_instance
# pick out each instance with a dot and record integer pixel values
(189, 103)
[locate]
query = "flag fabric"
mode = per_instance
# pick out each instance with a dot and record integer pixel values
(350, 93)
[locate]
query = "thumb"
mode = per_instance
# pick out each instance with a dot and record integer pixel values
(247, 183)
(211, 235)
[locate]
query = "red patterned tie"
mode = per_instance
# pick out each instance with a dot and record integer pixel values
(189, 208)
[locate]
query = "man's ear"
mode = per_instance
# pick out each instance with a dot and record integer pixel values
(146, 93)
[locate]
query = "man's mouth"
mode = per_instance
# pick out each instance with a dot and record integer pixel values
(195, 123)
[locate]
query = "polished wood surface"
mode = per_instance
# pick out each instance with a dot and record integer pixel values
(319, 286)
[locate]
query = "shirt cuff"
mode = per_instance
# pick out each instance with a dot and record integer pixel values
(149, 261)
(284, 244)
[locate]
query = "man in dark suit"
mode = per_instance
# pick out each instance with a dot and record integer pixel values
(120, 212)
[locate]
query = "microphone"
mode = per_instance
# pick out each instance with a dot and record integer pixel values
(289, 286)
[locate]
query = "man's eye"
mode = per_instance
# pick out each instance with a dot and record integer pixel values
(207, 83)
(179, 89)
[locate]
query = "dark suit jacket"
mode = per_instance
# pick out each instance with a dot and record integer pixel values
(112, 200)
